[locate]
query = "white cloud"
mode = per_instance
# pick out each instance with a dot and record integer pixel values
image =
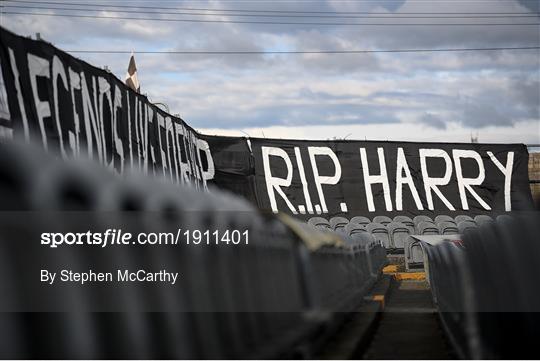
(423, 96)
(527, 132)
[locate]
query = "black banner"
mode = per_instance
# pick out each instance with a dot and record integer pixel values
(233, 165)
(371, 178)
(77, 110)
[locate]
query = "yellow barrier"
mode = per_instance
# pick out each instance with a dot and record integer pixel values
(416, 276)
(392, 268)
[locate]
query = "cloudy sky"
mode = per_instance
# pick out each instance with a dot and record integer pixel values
(445, 96)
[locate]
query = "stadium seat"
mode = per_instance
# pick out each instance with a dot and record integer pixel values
(382, 220)
(464, 226)
(448, 228)
(483, 219)
(360, 220)
(504, 218)
(426, 228)
(444, 218)
(398, 232)
(463, 217)
(353, 228)
(361, 235)
(375, 254)
(414, 255)
(406, 221)
(338, 223)
(421, 218)
(380, 232)
(320, 223)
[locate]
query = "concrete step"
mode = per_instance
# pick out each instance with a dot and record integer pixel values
(409, 326)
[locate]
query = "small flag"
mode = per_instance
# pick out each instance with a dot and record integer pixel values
(131, 77)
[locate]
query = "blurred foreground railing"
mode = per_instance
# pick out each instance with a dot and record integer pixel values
(272, 297)
(486, 287)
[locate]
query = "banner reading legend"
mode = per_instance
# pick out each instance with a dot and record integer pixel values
(74, 109)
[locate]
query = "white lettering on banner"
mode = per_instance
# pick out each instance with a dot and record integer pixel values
(137, 112)
(196, 159)
(300, 164)
(320, 180)
(4, 106)
(74, 138)
(104, 93)
(374, 179)
(431, 184)
(149, 148)
(165, 159)
(130, 142)
(507, 172)
(58, 70)
(196, 172)
(39, 67)
(190, 153)
(151, 145)
(208, 174)
(16, 77)
(465, 184)
(403, 166)
(93, 130)
(274, 184)
(171, 147)
(117, 141)
(143, 137)
(180, 141)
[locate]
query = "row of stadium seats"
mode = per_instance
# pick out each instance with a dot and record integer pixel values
(485, 288)
(269, 298)
(393, 233)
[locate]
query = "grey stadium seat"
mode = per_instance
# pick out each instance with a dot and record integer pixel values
(380, 232)
(483, 219)
(427, 228)
(421, 218)
(464, 226)
(376, 255)
(448, 228)
(398, 232)
(504, 218)
(414, 255)
(406, 221)
(360, 220)
(463, 217)
(320, 223)
(444, 218)
(338, 223)
(354, 228)
(365, 237)
(382, 220)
